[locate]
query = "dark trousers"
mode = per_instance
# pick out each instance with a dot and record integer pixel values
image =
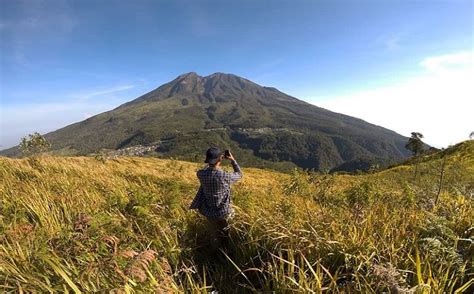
(219, 233)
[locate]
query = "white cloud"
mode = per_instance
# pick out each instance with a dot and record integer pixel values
(437, 102)
(449, 62)
(90, 94)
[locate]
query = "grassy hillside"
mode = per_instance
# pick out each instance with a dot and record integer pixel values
(79, 224)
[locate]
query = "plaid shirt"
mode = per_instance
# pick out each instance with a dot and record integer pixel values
(213, 197)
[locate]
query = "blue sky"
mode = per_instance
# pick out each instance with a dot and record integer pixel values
(63, 61)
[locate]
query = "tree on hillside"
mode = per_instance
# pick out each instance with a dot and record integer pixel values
(415, 144)
(34, 144)
(441, 175)
(471, 136)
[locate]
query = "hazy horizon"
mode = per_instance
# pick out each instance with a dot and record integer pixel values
(406, 66)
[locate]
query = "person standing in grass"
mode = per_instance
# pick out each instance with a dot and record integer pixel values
(213, 199)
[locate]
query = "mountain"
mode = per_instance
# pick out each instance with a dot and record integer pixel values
(261, 125)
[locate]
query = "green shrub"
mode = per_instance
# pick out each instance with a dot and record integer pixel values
(34, 144)
(361, 195)
(298, 184)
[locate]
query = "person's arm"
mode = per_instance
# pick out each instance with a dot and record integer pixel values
(198, 198)
(237, 174)
(197, 201)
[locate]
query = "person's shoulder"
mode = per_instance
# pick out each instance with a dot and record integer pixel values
(201, 171)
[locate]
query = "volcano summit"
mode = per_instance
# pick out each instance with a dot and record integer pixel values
(263, 126)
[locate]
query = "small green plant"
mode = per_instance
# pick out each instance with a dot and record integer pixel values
(287, 210)
(408, 197)
(100, 156)
(34, 144)
(323, 184)
(298, 184)
(374, 168)
(361, 195)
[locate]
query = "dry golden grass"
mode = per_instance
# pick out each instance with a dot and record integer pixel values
(78, 224)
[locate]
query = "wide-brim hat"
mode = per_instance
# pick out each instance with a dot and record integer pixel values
(213, 155)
